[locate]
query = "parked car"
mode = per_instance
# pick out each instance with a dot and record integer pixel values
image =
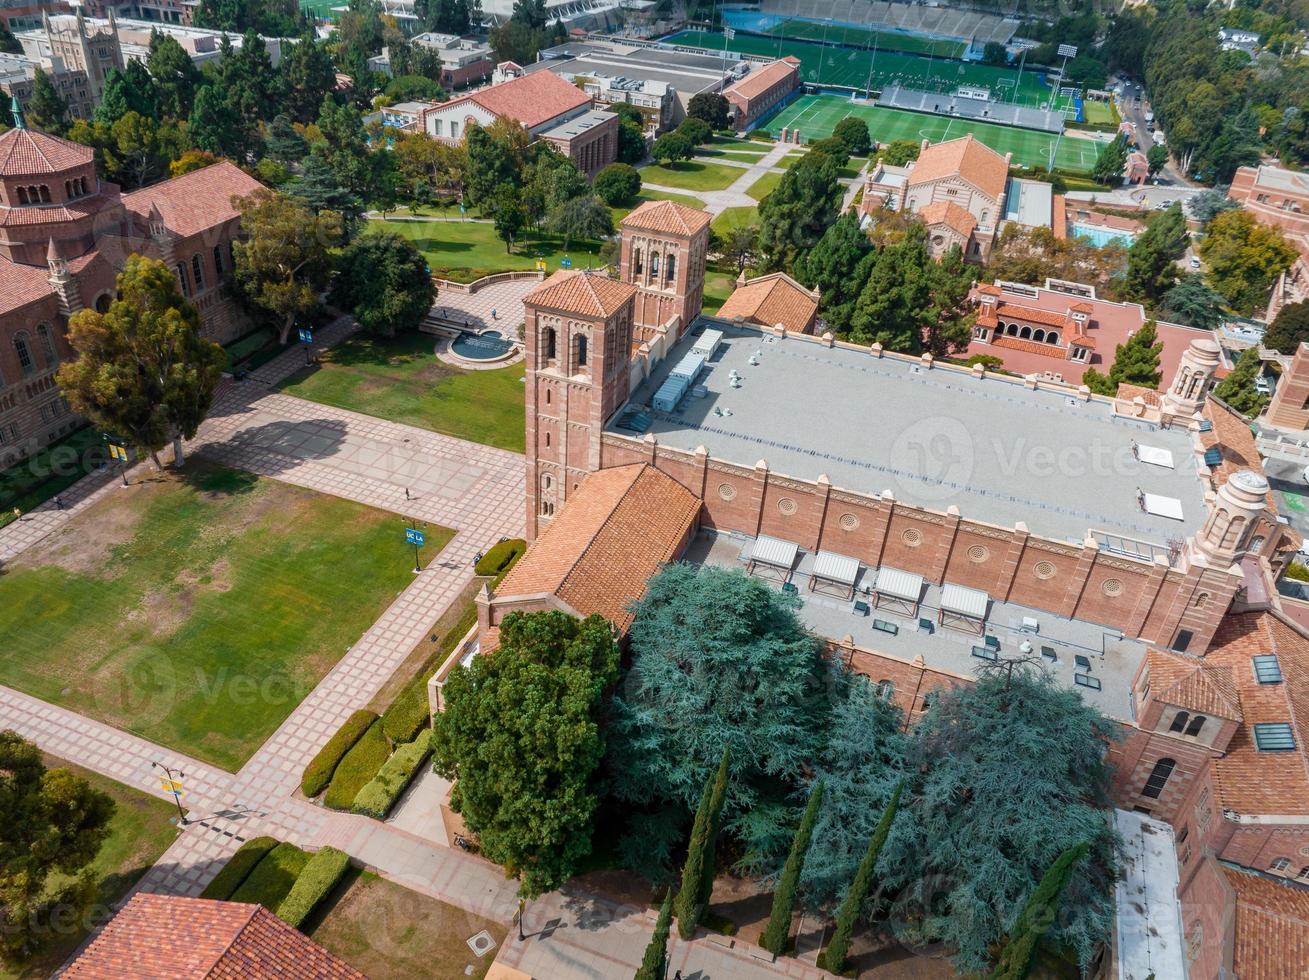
(1263, 385)
(1195, 262)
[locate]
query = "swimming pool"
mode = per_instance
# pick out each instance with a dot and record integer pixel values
(485, 346)
(1100, 237)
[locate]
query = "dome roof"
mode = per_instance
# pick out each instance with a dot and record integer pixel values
(28, 153)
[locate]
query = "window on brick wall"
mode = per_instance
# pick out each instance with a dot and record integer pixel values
(1267, 669)
(1179, 721)
(1279, 865)
(1158, 778)
(1274, 736)
(885, 690)
(1197, 723)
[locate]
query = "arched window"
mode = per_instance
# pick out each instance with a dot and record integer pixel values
(24, 353)
(1179, 721)
(181, 278)
(1039, 336)
(1012, 330)
(1158, 778)
(1197, 723)
(218, 261)
(45, 194)
(68, 188)
(885, 690)
(102, 303)
(198, 272)
(547, 506)
(551, 351)
(670, 272)
(654, 264)
(1279, 865)
(547, 396)
(547, 440)
(546, 482)
(1052, 337)
(22, 195)
(636, 261)
(81, 182)
(47, 344)
(1025, 333)
(581, 350)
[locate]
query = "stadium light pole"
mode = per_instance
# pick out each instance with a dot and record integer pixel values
(822, 55)
(1019, 84)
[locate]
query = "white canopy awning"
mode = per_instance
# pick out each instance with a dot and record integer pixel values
(1155, 455)
(899, 584)
(836, 568)
(1163, 506)
(774, 551)
(964, 602)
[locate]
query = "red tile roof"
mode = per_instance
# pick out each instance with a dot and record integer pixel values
(966, 157)
(949, 214)
(21, 285)
(49, 214)
(668, 217)
(165, 937)
(531, 99)
(606, 542)
(1193, 683)
(1029, 346)
(1270, 938)
(581, 293)
(1031, 314)
(771, 300)
(28, 152)
(194, 202)
(758, 82)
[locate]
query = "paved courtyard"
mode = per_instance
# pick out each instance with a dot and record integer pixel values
(475, 310)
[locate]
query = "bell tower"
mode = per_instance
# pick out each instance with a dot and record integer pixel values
(577, 333)
(1195, 375)
(663, 255)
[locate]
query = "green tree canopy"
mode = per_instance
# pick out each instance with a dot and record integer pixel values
(853, 132)
(697, 131)
(1011, 774)
(706, 642)
(897, 153)
(712, 107)
(995, 53)
(55, 824)
(1152, 259)
(1238, 390)
(175, 76)
(838, 266)
(631, 143)
(654, 965)
(777, 934)
(1193, 303)
(617, 184)
(46, 109)
(306, 75)
(582, 218)
(1136, 362)
(1111, 162)
(383, 281)
(697, 883)
(495, 160)
(1019, 953)
(793, 218)
(1244, 258)
(520, 734)
(143, 369)
(1156, 158)
(1289, 329)
(672, 147)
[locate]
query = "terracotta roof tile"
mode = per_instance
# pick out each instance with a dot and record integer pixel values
(949, 214)
(25, 152)
(1148, 395)
(1031, 314)
(581, 293)
(1270, 937)
(1031, 346)
(49, 214)
(758, 82)
(194, 202)
(531, 99)
(770, 300)
(966, 157)
(668, 217)
(22, 284)
(166, 937)
(1193, 683)
(1232, 437)
(606, 542)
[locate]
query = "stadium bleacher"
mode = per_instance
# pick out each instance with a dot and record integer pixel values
(1008, 114)
(951, 22)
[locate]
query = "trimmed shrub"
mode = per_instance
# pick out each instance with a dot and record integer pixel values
(319, 876)
(500, 555)
(409, 713)
(377, 798)
(321, 767)
(760, 134)
(238, 868)
(359, 765)
(272, 878)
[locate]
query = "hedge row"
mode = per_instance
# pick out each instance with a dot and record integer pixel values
(377, 798)
(322, 766)
(272, 878)
(500, 556)
(365, 758)
(319, 876)
(238, 868)
(409, 713)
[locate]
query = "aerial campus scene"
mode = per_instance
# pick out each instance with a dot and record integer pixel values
(594, 489)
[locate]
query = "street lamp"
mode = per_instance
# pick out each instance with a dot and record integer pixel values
(171, 781)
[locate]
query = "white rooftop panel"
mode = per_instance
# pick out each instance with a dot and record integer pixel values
(1155, 455)
(1169, 507)
(836, 568)
(900, 584)
(774, 551)
(965, 602)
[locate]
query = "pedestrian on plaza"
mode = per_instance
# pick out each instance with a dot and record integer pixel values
(407, 497)
(59, 502)
(494, 314)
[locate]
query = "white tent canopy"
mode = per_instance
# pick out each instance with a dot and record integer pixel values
(899, 584)
(836, 568)
(773, 551)
(963, 601)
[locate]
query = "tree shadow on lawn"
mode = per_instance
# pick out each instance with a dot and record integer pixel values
(280, 446)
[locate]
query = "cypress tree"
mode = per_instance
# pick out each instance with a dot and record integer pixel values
(779, 922)
(655, 964)
(698, 872)
(1037, 917)
(859, 888)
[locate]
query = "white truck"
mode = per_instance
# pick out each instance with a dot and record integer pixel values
(1149, 116)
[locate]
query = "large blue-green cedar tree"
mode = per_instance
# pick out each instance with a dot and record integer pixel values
(719, 660)
(1011, 773)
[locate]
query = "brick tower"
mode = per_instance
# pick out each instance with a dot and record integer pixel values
(577, 332)
(1289, 408)
(663, 255)
(1195, 375)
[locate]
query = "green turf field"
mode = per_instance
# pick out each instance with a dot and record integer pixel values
(1099, 112)
(817, 115)
(322, 9)
(851, 67)
(861, 37)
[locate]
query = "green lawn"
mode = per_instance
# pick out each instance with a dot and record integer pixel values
(718, 286)
(467, 250)
(691, 175)
(400, 379)
(198, 609)
(391, 933)
(139, 833)
(817, 115)
(734, 218)
(652, 195)
(33, 481)
(1100, 112)
(764, 186)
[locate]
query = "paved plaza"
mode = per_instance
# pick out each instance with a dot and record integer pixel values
(497, 306)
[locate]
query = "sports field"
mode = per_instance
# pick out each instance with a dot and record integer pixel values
(862, 37)
(851, 67)
(817, 115)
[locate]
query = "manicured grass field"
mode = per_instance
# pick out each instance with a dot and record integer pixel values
(864, 38)
(139, 832)
(653, 195)
(400, 379)
(734, 218)
(691, 175)
(1099, 112)
(764, 186)
(853, 68)
(391, 933)
(468, 250)
(53, 470)
(197, 609)
(817, 115)
(718, 285)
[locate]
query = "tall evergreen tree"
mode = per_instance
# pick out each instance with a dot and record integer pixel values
(794, 217)
(698, 871)
(838, 266)
(305, 75)
(1152, 259)
(1037, 917)
(778, 931)
(1111, 162)
(282, 143)
(46, 110)
(654, 966)
(1136, 363)
(175, 76)
(860, 887)
(1238, 390)
(129, 90)
(1192, 302)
